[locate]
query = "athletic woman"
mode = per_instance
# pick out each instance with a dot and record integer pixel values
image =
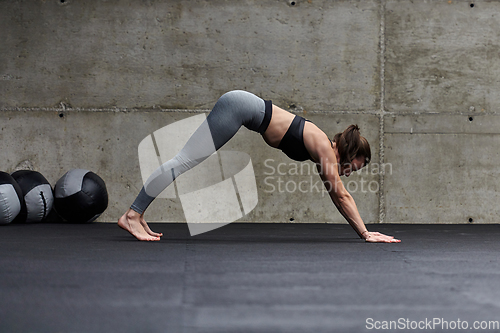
(298, 138)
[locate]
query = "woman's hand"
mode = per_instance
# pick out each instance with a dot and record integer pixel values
(377, 237)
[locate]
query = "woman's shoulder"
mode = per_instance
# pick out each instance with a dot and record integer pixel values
(316, 141)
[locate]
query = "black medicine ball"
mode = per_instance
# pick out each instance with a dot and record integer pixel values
(37, 195)
(80, 196)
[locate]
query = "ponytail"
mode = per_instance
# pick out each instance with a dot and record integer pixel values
(350, 144)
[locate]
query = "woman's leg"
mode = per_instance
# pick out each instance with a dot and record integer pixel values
(232, 110)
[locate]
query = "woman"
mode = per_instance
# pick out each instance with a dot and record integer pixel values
(297, 138)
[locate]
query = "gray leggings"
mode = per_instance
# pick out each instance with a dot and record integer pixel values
(232, 110)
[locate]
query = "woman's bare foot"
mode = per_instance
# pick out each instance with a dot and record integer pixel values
(134, 223)
(148, 230)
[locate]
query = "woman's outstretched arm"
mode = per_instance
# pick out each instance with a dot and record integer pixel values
(347, 207)
(328, 168)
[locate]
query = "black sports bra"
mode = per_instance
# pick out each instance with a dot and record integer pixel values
(292, 143)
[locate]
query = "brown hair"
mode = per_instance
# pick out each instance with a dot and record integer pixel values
(351, 144)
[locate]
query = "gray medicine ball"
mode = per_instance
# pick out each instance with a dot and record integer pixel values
(11, 198)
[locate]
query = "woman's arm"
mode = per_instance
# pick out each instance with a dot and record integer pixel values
(347, 207)
(328, 169)
(343, 201)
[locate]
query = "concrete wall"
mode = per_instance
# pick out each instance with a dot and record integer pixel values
(83, 82)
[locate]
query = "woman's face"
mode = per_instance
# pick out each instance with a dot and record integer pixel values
(356, 164)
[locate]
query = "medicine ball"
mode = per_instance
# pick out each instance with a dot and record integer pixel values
(11, 198)
(80, 196)
(37, 195)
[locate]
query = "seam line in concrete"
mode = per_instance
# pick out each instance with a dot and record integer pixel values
(443, 133)
(369, 112)
(66, 109)
(382, 112)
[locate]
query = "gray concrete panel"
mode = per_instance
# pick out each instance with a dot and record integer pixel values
(444, 168)
(319, 55)
(442, 56)
(53, 143)
(103, 142)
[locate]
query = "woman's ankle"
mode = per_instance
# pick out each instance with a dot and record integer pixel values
(132, 214)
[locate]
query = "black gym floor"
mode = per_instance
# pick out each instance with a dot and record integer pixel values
(247, 278)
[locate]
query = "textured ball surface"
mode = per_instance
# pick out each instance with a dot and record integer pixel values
(10, 198)
(37, 195)
(80, 196)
